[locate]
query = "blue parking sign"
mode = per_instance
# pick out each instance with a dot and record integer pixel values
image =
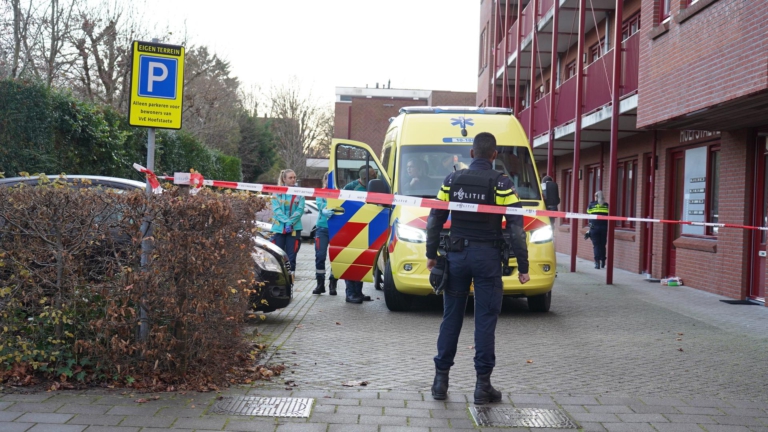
(157, 77)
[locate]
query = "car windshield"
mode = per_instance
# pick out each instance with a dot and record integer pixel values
(424, 167)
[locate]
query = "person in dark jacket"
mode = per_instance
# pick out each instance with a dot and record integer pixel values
(474, 255)
(598, 229)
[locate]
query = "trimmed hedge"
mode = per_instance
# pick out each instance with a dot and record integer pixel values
(50, 131)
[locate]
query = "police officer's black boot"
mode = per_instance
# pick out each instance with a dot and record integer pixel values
(597, 264)
(484, 391)
(320, 284)
(602, 263)
(440, 385)
(332, 285)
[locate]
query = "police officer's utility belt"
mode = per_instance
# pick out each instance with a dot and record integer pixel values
(459, 244)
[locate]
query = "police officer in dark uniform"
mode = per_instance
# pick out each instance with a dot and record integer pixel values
(598, 229)
(474, 254)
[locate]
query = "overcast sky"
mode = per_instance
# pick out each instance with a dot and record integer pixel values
(416, 44)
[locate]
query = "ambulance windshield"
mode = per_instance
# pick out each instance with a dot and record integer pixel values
(424, 167)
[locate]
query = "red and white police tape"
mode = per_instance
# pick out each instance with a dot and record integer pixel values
(196, 181)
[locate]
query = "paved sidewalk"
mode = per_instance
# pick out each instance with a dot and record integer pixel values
(634, 356)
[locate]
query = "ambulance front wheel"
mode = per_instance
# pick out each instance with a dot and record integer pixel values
(395, 300)
(540, 303)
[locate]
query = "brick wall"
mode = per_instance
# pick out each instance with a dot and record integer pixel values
(448, 98)
(716, 55)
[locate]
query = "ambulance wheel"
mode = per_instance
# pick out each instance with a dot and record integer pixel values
(540, 303)
(395, 300)
(378, 278)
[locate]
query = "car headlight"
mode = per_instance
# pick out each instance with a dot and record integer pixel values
(266, 260)
(410, 234)
(542, 235)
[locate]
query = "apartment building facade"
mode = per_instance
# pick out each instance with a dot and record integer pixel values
(672, 127)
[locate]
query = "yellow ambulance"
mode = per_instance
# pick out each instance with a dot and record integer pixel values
(385, 244)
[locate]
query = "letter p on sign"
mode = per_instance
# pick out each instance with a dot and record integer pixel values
(157, 77)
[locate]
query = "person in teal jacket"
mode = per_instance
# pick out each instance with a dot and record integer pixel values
(286, 218)
(321, 245)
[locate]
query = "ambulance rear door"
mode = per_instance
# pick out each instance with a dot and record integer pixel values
(358, 230)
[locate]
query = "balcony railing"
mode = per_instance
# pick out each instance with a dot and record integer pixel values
(500, 54)
(597, 82)
(527, 24)
(541, 116)
(565, 102)
(630, 65)
(512, 38)
(545, 6)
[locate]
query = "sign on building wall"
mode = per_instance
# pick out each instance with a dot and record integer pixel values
(157, 85)
(695, 189)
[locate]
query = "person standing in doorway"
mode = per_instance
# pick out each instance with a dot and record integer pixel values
(598, 229)
(321, 245)
(286, 218)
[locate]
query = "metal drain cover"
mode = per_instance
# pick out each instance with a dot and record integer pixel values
(520, 417)
(263, 406)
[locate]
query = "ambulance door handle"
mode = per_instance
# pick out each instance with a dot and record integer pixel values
(338, 210)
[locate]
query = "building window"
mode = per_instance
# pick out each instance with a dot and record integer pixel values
(483, 49)
(630, 26)
(697, 186)
(626, 194)
(570, 70)
(593, 184)
(566, 192)
(666, 6)
(595, 52)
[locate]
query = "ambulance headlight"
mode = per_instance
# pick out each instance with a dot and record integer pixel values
(410, 234)
(542, 235)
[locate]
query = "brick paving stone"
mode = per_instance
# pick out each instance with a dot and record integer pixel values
(324, 409)
(576, 400)
(73, 399)
(742, 412)
(142, 421)
(95, 419)
(628, 427)
(450, 414)
(427, 404)
(36, 407)
(642, 418)
(699, 410)
(460, 423)
(597, 418)
(428, 422)
(133, 410)
(726, 428)
(250, 425)
(530, 399)
(200, 423)
(591, 427)
(403, 429)
(44, 418)
(302, 428)
(180, 412)
(334, 401)
(748, 404)
(708, 403)
(360, 410)
(408, 412)
(677, 427)
(392, 403)
(401, 396)
(32, 397)
(83, 409)
(349, 394)
(738, 421)
(609, 409)
(4, 405)
(574, 408)
(151, 429)
(612, 400)
(334, 418)
(654, 409)
(690, 418)
(379, 420)
(112, 429)
(456, 406)
(15, 427)
(352, 428)
(56, 428)
(661, 401)
(114, 400)
(6, 416)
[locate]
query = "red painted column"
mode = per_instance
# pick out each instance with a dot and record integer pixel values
(552, 87)
(504, 75)
(494, 42)
(617, 53)
(534, 59)
(577, 136)
(516, 95)
(652, 191)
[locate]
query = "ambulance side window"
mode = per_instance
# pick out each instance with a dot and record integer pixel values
(355, 167)
(385, 156)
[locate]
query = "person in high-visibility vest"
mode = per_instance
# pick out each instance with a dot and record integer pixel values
(598, 229)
